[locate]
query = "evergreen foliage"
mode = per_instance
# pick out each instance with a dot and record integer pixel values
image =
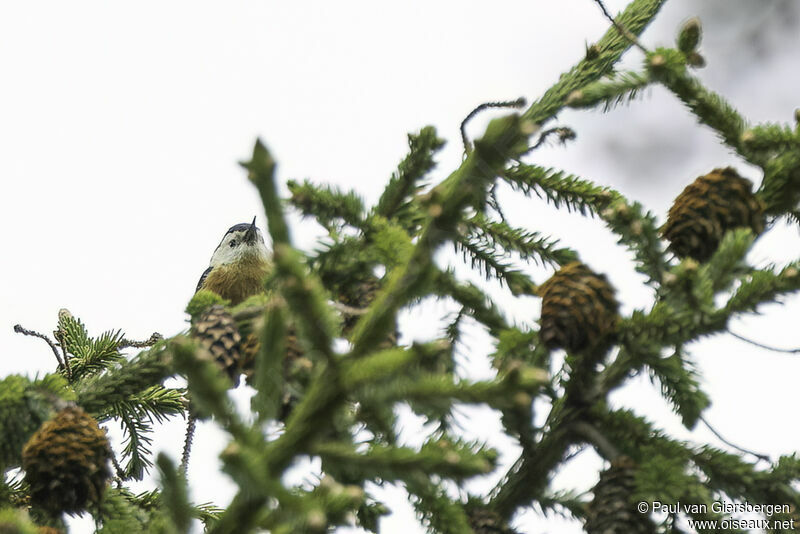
(340, 404)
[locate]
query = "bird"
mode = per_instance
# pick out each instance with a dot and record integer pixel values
(239, 264)
(237, 270)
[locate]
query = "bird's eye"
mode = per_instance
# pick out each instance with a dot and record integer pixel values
(233, 243)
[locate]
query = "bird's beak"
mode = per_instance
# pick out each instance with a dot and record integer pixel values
(252, 232)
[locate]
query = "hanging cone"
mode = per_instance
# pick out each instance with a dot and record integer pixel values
(66, 462)
(216, 331)
(710, 206)
(578, 309)
(613, 511)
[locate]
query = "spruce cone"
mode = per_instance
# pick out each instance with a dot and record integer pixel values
(484, 521)
(708, 207)
(217, 332)
(66, 462)
(612, 511)
(578, 309)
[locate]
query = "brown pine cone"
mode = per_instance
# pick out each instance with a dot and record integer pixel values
(707, 208)
(216, 331)
(66, 462)
(613, 511)
(579, 309)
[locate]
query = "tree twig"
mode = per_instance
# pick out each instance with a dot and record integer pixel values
(762, 346)
(120, 473)
(593, 435)
(494, 203)
(518, 103)
(24, 331)
(728, 443)
(622, 29)
(564, 134)
(191, 424)
(154, 338)
(60, 338)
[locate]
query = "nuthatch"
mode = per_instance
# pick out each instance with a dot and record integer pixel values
(239, 264)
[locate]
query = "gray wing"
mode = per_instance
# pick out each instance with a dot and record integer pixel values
(202, 279)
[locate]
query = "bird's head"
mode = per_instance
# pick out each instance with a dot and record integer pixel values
(241, 242)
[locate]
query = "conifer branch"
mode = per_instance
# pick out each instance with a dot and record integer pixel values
(680, 384)
(406, 181)
(638, 231)
(302, 290)
(269, 363)
(780, 189)
(327, 204)
(504, 139)
(474, 301)
(384, 364)
(668, 67)
(437, 509)
(740, 480)
(305, 295)
(636, 228)
(528, 477)
(489, 262)
(761, 286)
(314, 411)
(131, 377)
(442, 457)
(559, 188)
(529, 245)
(499, 393)
(636, 17)
(618, 89)
(208, 388)
(136, 444)
(343, 405)
(95, 355)
(771, 138)
(136, 416)
(724, 471)
(174, 495)
(569, 501)
(727, 263)
(261, 170)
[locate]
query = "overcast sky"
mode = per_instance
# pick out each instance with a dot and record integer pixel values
(121, 126)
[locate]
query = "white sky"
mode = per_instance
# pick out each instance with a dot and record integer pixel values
(121, 128)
